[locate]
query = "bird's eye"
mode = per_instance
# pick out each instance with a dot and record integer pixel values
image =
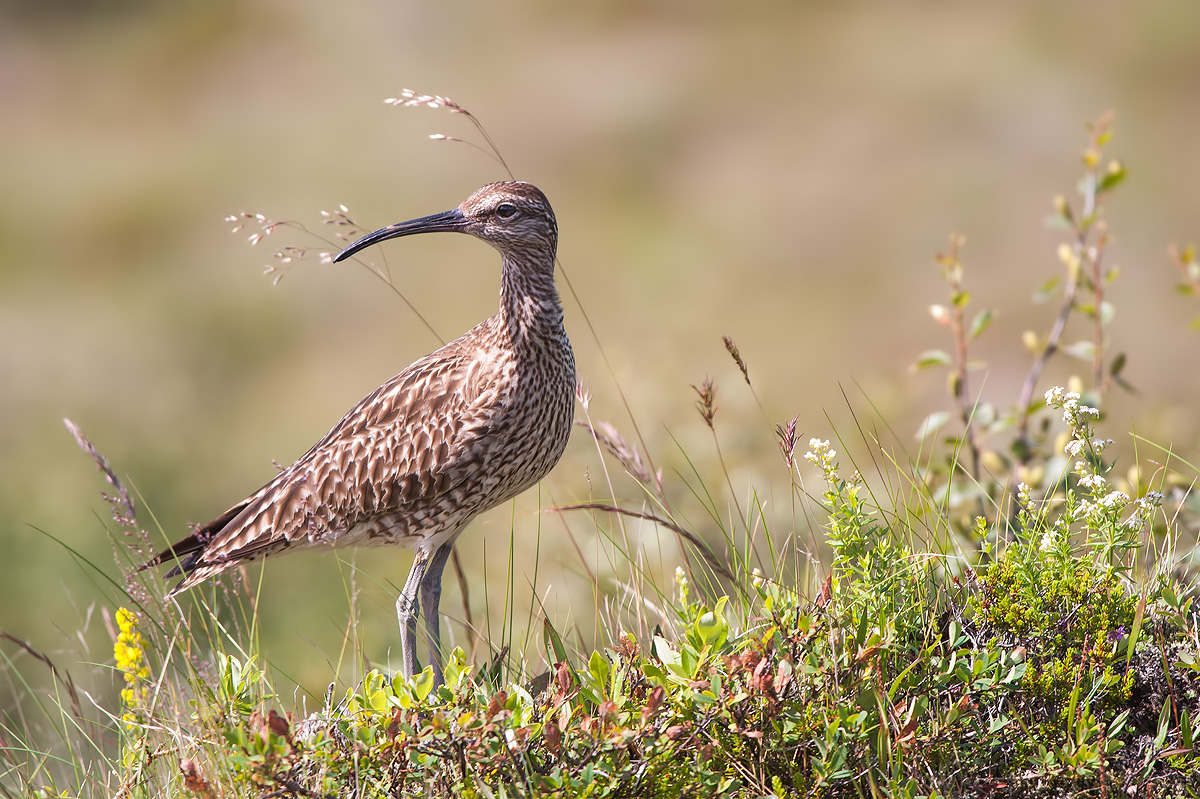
(506, 210)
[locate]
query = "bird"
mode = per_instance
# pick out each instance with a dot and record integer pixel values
(459, 431)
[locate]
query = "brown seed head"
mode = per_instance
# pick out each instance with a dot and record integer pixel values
(612, 440)
(787, 440)
(707, 400)
(737, 357)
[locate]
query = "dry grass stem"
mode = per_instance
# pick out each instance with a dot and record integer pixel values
(63, 677)
(688, 535)
(410, 99)
(124, 511)
(1083, 224)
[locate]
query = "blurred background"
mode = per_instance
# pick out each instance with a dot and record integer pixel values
(779, 172)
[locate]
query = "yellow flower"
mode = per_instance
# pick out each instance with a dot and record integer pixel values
(130, 655)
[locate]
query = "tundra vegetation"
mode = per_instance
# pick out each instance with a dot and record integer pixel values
(1003, 605)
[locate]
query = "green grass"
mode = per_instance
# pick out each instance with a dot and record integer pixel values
(1002, 612)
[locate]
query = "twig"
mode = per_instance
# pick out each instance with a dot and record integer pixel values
(966, 410)
(1083, 225)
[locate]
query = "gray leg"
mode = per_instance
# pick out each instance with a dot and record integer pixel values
(406, 613)
(431, 597)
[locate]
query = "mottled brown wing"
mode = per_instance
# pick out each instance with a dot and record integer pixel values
(413, 439)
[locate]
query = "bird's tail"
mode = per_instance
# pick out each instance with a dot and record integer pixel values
(186, 553)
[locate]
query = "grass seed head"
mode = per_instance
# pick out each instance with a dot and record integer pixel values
(706, 401)
(736, 354)
(787, 440)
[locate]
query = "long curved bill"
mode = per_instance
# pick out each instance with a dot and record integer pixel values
(452, 220)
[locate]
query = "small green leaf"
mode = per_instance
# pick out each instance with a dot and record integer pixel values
(1117, 725)
(1073, 701)
(980, 322)
(662, 648)
(960, 298)
(1164, 724)
(1112, 178)
(456, 668)
(1046, 289)
(1015, 673)
(1118, 363)
(867, 698)
(933, 358)
(711, 627)
(553, 643)
(954, 634)
(654, 673)
(954, 384)
(422, 683)
(689, 663)
(599, 670)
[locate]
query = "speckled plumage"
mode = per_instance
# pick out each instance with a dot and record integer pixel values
(459, 431)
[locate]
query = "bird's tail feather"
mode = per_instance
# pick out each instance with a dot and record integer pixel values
(185, 554)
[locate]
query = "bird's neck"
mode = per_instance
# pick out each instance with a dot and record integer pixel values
(529, 304)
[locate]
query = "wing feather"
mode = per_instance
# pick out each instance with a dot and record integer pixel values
(412, 440)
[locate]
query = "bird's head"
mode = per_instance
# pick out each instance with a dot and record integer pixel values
(512, 216)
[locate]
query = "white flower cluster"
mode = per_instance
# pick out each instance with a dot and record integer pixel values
(1074, 414)
(1143, 507)
(1076, 445)
(1096, 505)
(820, 454)
(1048, 540)
(1151, 501)
(1113, 500)
(681, 581)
